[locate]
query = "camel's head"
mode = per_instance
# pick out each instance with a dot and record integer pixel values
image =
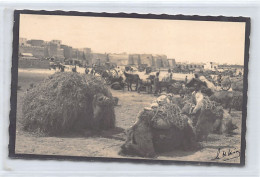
(99, 102)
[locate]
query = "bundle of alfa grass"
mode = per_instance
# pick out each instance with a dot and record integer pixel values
(237, 85)
(168, 115)
(62, 103)
(237, 102)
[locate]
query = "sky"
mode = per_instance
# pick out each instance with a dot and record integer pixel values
(184, 40)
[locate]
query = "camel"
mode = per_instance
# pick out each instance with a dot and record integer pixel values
(168, 126)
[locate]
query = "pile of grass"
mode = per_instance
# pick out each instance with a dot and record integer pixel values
(237, 85)
(168, 115)
(63, 103)
(237, 102)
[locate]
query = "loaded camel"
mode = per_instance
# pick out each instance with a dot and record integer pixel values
(169, 125)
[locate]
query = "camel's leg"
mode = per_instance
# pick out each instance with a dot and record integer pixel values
(139, 89)
(130, 85)
(150, 89)
(123, 87)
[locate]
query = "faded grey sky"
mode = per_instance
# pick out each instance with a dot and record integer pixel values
(194, 41)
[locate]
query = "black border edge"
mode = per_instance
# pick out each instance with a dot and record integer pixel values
(245, 91)
(136, 15)
(14, 81)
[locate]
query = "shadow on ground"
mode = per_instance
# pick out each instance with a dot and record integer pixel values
(117, 133)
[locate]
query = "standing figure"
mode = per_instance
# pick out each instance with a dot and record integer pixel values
(62, 68)
(156, 84)
(169, 75)
(86, 70)
(186, 80)
(74, 69)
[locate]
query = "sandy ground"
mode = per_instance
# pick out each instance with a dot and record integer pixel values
(108, 143)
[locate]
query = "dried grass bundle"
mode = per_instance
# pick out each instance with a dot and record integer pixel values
(237, 85)
(63, 102)
(238, 101)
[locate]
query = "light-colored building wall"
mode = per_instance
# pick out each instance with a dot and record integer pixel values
(172, 63)
(211, 66)
(147, 59)
(134, 59)
(119, 59)
(99, 58)
(161, 61)
(38, 52)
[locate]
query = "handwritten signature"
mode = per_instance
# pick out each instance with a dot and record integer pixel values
(227, 154)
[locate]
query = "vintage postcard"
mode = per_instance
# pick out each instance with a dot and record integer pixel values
(129, 87)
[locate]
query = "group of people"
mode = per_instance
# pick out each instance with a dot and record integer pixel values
(168, 78)
(156, 80)
(90, 71)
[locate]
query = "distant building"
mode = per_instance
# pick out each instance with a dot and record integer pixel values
(161, 61)
(119, 59)
(75, 53)
(190, 66)
(172, 63)
(60, 52)
(22, 41)
(211, 66)
(58, 42)
(134, 59)
(87, 56)
(36, 51)
(36, 42)
(147, 59)
(67, 51)
(86, 50)
(55, 51)
(99, 58)
(84, 55)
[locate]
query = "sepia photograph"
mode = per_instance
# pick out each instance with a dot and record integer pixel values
(129, 87)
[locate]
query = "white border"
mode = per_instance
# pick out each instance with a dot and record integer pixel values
(27, 168)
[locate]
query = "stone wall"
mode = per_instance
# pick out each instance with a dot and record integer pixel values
(38, 52)
(32, 63)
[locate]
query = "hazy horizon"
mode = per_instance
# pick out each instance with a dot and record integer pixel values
(183, 40)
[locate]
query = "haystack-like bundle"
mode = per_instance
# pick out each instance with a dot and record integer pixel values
(228, 99)
(66, 102)
(237, 85)
(237, 101)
